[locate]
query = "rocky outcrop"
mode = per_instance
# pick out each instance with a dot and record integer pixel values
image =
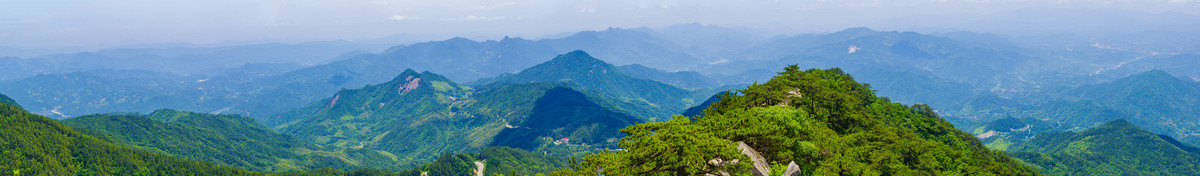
(335, 99)
(794, 93)
(413, 83)
(792, 169)
(761, 166)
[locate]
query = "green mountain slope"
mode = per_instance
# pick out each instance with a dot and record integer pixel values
(1056, 116)
(223, 139)
(1153, 100)
(1115, 148)
(535, 114)
(698, 110)
(1156, 100)
(564, 113)
(36, 145)
(588, 73)
(1002, 133)
(4, 99)
(822, 120)
(419, 116)
(413, 117)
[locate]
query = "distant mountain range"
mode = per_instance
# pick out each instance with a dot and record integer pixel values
(288, 86)
(1157, 100)
(977, 64)
(1154, 100)
(183, 60)
(581, 69)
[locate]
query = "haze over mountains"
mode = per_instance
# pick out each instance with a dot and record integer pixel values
(856, 101)
(1014, 70)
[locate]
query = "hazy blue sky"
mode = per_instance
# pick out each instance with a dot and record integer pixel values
(60, 23)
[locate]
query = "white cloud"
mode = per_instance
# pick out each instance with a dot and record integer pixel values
(402, 18)
(381, 2)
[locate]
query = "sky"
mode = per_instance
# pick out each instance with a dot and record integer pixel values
(92, 23)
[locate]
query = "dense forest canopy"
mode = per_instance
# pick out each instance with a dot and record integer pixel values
(1115, 148)
(823, 120)
(229, 140)
(36, 145)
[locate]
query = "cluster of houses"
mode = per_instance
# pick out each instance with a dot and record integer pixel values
(564, 140)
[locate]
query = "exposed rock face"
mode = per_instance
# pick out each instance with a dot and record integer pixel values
(334, 101)
(792, 169)
(794, 93)
(413, 83)
(761, 167)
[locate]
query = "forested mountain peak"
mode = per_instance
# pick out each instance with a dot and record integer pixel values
(410, 75)
(1115, 148)
(585, 72)
(409, 88)
(388, 117)
(416, 124)
(577, 66)
(854, 31)
(559, 112)
(822, 120)
(5, 100)
(1152, 78)
(574, 60)
(1156, 101)
(1122, 128)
